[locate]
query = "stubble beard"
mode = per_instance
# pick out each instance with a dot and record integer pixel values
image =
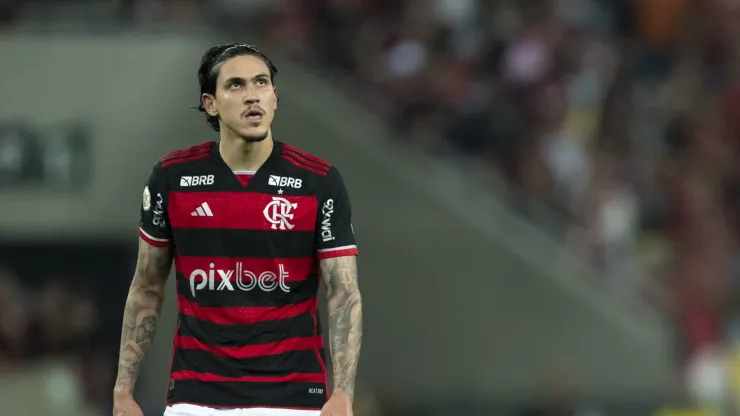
(254, 138)
(249, 138)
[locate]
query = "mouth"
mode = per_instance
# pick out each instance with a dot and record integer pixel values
(254, 115)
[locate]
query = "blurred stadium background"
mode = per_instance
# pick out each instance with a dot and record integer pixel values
(546, 192)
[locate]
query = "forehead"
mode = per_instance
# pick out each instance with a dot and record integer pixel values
(244, 66)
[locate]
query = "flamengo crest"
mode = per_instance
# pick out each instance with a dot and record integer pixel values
(278, 212)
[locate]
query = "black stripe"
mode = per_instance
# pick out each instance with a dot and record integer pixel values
(306, 156)
(204, 242)
(254, 334)
(309, 396)
(300, 291)
(304, 164)
(279, 365)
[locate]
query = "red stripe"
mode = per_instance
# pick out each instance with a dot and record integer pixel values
(306, 155)
(337, 253)
(191, 148)
(241, 315)
(302, 166)
(294, 378)
(151, 242)
(182, 152)
(185, 159)
(244, 211)
(246, 351)
(298, 161)
(289, 269)
(185, 155)
(302, 159)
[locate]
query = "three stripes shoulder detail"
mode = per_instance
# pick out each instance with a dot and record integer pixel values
(304, 160)
(184, 155)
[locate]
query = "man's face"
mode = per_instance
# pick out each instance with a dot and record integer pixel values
(245, 98)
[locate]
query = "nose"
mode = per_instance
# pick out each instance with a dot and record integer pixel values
(251, 97)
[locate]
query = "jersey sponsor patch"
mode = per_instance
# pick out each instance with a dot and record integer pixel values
(285, 181)
(326, 212)
(239, 278)
(243, 274)
(196, 180)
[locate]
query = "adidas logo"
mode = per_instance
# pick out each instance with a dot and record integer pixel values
(203, 211)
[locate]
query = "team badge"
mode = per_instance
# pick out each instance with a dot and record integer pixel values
(278, 212)
(146, 199)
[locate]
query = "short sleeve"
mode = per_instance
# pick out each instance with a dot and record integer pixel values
(154, 225)
(334, 233)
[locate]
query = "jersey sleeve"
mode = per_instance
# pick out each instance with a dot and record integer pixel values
(335, 236)
(154, 225)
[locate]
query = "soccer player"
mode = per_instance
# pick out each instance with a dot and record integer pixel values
(249, 222)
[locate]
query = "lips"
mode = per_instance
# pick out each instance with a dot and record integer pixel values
(253, 113)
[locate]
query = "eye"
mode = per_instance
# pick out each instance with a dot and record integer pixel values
(261, 81)
(235, 85)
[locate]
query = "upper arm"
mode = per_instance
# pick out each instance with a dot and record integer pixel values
(155, 235)
(153, 264)
(154, 225)
(339, 273)
(334, 232)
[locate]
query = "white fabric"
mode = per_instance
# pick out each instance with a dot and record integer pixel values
(193, 410)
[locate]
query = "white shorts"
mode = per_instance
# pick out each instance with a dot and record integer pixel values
(193, 410)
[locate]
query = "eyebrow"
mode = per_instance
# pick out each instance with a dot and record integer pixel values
(234, 79)
(242, 80)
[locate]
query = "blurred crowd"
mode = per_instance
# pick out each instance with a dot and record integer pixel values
(621, 116)
(52, 322)
(60, 323)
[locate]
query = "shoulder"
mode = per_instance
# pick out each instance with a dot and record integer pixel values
(177, 162)
(302, 162)
(315, 171)
(185, 155)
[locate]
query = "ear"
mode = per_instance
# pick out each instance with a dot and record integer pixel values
(209, 104)
(277, 99)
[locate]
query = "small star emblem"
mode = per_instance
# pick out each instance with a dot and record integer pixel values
(280, 191)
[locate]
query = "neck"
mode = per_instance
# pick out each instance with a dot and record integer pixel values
(240, 154)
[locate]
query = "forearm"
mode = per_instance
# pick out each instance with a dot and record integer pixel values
(140, 317)
(345, 324)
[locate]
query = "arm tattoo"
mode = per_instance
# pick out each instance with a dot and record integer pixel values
(345, 319)
(143, 306)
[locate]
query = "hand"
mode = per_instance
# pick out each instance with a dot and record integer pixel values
(126, 406)
(340, 404)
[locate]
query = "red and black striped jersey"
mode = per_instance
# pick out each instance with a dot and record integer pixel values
(246, 256)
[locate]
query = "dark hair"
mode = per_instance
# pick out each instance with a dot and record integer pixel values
(209, 70)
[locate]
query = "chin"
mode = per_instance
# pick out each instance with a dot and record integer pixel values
(254, 136)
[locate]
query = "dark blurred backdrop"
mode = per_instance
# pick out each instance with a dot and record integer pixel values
(547, 192)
